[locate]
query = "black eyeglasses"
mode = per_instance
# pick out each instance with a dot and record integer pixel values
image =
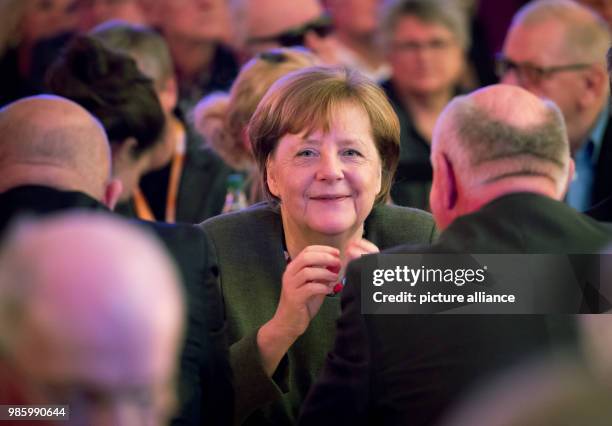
(321, 26)
(530, 73)
(435, 45)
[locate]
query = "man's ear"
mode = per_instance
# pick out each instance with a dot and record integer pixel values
(595, 83)
(112, 193)
(570, 177)
(446, 181)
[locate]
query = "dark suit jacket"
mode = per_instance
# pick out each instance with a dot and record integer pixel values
(203, 186)
(205, 377)
(603, 170)
(407, 370)
(249, 249)
(601, 211)
(412, 181)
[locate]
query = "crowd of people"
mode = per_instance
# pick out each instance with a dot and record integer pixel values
(191, 192)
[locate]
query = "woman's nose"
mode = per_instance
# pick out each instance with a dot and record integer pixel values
(330, 167)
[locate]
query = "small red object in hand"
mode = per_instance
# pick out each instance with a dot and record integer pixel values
(334, 269)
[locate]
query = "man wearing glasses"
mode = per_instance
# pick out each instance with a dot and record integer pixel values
(266, 24)
(557, 49)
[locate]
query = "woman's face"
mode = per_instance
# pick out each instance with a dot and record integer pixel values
(425, 57)
(46, 18)
(327, 182)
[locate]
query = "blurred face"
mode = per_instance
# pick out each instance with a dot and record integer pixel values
(355, 17)
(269, 17)
(425, 57)
(94, 12)
(278, 23)
(327, 182)
(105, 378)
(541, 46)
(46, 18)
(195, 20)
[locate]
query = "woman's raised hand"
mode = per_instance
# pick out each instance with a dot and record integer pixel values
(358, 248)
(306, 281)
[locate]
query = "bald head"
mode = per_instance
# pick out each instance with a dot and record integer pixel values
(49, 140)
(503, 129)
(496, 140)
(586, 36)
(89, 300)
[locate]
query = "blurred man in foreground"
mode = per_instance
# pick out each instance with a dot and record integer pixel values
(78, 325)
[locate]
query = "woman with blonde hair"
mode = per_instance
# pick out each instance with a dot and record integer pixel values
(222, 118)
(326, 142)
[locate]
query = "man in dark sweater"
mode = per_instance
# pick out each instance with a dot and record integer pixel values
(55, 156)
(501, 165)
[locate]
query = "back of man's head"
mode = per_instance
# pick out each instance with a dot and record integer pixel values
(90, 316)
(51, 141)
(497, 140)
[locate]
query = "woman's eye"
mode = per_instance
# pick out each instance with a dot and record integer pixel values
(352, 153)
(306, 153)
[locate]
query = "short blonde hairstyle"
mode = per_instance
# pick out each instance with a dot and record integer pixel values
(306, 100)
(222, 118)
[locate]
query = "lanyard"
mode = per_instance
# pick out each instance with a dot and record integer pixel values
(143, 211)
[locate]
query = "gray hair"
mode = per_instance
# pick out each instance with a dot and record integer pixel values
(587, 36)
(431, 11)
(493, 149)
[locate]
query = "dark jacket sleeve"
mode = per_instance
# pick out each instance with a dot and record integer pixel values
(253, 388)
(205, 378)
(217, 398)
(341, 393)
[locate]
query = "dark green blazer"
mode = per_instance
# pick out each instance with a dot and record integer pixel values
(251, 259)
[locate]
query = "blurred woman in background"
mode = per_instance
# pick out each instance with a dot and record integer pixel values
(425, 42)
(222, 119)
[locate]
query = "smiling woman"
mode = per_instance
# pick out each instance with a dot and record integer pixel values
(326, 142)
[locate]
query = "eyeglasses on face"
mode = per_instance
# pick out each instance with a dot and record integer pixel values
(435, 45)
(530, 73)
(321, 26)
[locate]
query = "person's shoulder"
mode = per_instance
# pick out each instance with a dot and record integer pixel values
(392, 225)
(402, 213)
(260, 221)
(178, 237)
(392, 215)
(261, 211)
